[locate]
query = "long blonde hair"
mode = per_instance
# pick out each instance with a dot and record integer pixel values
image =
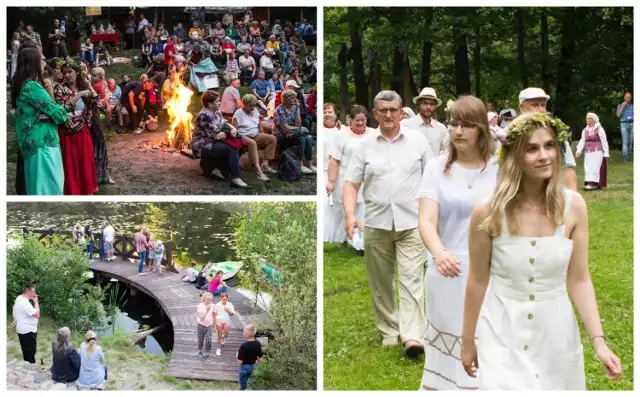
(91, 339)
(470, 110)
(505, 195)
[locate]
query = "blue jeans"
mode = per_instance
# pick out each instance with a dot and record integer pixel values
(143, 256)
(244, 372)
(626, 129)
(88, 56)
(90, 248)
(106, 370)
(220, 290)
(304, 143)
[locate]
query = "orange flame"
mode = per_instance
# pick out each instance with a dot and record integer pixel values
(179, 115)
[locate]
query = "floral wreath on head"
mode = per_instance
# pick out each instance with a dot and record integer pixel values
(73, 64)
(525, 125)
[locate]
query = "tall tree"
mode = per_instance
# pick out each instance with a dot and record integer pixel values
(566, 61)
(522, 63)
(544, 39)
(427, 47)
(355, 54)
(477, 49)
(461, 65)
(344, 87)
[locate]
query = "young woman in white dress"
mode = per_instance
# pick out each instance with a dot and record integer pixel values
(344, 148)
(595, 147)
(333, 129)
(531, 240)
(451, 186)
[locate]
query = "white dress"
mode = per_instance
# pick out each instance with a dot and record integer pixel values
(595, 147)
(344, 150)
(445, 296)
(15, 48)
(528, 336)
(333, 212)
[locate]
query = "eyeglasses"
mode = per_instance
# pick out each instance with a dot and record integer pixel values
(388, 110)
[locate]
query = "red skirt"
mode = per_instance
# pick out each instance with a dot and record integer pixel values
(77, 159)
(603, 173)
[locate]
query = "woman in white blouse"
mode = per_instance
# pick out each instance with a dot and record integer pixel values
(595, 147)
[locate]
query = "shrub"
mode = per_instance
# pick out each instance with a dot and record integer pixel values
(57, 268)
(285, 235)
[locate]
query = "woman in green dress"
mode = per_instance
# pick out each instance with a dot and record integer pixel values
(37, 115)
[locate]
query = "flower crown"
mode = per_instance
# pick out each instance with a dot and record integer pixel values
(528, 124)
(73, 64)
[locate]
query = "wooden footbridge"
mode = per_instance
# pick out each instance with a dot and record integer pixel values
(178, 300)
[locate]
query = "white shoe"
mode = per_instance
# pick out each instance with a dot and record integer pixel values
(269, 170)
(142, 274)
(218, 174)
(224, 340)
(218, 351)
(138, 131)
(305, 170)
(262, 177)
(314, 169)
(239, 182)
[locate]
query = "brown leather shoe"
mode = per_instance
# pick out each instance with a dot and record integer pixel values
(413, 349)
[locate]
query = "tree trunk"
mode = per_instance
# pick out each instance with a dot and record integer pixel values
(344, 87)
(355, 54)
(476, 59)
(427, 49)
(463, 81)
(375, 77)
(565, 62)
(409, 89)
(544, 38)
(155, 18)
(396, 78)
(521, 35)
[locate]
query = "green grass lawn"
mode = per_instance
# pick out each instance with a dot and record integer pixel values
(354, 359)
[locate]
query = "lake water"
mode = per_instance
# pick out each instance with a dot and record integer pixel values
(199, 231)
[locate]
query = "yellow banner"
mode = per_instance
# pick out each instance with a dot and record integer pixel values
(93, 11)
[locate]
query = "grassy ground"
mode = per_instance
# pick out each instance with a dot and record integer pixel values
(128, 369)
(140, 170)
(354, 360)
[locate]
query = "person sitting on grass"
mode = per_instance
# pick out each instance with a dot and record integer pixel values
(290, 132)
(101, 51)
(261, 90)
(66, 360)
(192, 274)
(113, 104)
(248, 354)
(93, 373)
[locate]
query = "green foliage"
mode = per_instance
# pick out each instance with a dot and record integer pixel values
(284, 234)
(601, 64)
(60, 266)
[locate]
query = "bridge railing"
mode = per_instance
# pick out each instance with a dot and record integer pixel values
(123, 246)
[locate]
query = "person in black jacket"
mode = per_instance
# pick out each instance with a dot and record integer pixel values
(66, 360)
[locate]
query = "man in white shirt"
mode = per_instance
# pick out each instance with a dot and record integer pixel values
(266, 63)
(25, 321)
(390, 164)
(435, 132)
(143, 22)
(109, 237)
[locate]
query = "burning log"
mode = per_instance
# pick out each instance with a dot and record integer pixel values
(180, 130)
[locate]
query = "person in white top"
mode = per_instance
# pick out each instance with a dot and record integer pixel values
(389, 164)
(529, 245)
(266, 63)
(451, 185)
(497, 133)
(596, 150)
(333, 213)
(435, 132)
(25, 321)
(344, 149)
(109, 237)
(224, 310)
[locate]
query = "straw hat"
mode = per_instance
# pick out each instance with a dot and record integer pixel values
(428, 93)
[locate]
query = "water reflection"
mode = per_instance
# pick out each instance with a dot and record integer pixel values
(199, 231)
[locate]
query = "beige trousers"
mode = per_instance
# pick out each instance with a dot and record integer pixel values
(383, 249)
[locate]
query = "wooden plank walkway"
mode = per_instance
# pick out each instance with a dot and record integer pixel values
(179, 300)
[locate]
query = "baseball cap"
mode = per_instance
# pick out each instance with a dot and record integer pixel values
(292, 83)
(532, 93)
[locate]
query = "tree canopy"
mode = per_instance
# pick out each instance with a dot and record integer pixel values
(582, 57)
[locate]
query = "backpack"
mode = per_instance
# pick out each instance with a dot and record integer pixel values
(288, 169)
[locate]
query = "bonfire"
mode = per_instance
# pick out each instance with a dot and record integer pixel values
(179, 132)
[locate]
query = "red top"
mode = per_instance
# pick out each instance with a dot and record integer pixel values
(228, 46)
(311, 102)
(169, 51)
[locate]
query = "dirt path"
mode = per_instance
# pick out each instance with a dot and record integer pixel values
(140, 170)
